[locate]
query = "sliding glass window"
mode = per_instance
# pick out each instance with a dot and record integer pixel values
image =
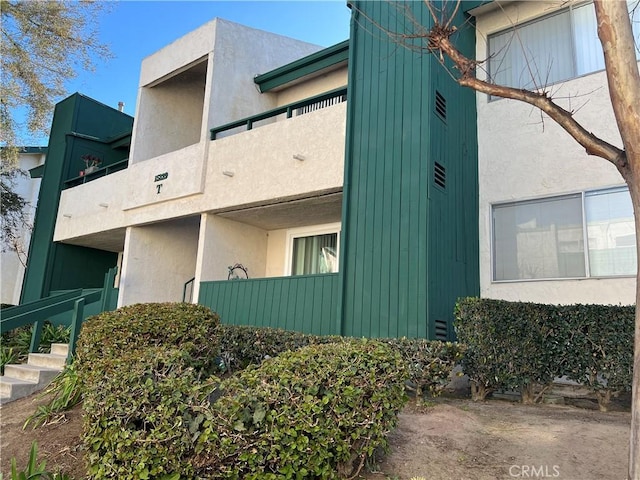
(588, 234)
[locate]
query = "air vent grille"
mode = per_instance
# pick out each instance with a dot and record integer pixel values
(441, 106)
(441, 332)
(439, 175)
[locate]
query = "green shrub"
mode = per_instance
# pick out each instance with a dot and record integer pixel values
(599, 348)
(140, 369)
(7, 356)
(430, 363)
(19, 339)
(510, 345)
(193, 328)
(317, 412)
(516, 345)
(140, 420)
(241, 346)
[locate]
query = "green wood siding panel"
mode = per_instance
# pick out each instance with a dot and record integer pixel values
(301, 303)
(409, 248)
(52, 266)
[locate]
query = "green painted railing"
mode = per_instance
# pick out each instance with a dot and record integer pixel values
(100, 172)
(302, 303)
(73, 302)
(339, 95)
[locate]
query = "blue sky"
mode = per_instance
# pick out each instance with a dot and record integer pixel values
(136, 29)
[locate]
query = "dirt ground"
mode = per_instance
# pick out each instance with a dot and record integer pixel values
(453, 439)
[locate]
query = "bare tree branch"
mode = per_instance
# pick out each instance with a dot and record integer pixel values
(439, 41)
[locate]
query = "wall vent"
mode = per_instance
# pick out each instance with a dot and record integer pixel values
(441, 106)
(441, 332)
(439, 175)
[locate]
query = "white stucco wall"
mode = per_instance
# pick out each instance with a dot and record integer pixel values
(276, 249)
(316, 86)
(240, 54)
(223, 243)
(522, 155)
(157, 261)
(12, 267)
(261, 160)
(170, 117)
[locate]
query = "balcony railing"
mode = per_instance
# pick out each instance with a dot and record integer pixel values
(298, 108)
(305, 303)
(100, 172)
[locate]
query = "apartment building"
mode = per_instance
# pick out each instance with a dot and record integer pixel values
(361, 190)
(14, 251)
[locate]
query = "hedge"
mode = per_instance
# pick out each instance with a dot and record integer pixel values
(317, 412)
(524, 346)
(192, 328)
(292, 403)
(143, 369)
(429, 362)
(241, 346)
(140, 420)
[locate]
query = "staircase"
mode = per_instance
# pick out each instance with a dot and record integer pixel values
(22, 380)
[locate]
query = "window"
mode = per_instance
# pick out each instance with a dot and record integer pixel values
(590, 234)
(551, 49)
(313, 250)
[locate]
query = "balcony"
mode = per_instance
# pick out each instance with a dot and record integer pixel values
(97, 173)
(299, 154)
(302, 107)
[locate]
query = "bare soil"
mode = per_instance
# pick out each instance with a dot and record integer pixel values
(452, 439)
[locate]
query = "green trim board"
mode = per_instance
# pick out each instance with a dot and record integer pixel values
(36, 172)
(314, 63)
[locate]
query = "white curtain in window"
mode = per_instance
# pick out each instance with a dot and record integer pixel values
(589, 56)
(539, 239)
(611, 233)
(315, 254)
(534, 54)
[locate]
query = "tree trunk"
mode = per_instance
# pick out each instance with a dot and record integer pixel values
(614, 31)
(634, 437)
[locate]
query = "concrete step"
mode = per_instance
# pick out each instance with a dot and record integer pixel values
(49, 360)
(31, 373)
(60, 349)
(13, 388)
(22, 380)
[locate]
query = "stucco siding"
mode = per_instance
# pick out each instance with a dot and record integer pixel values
(525, 155)
(12, 261)
(157, 261)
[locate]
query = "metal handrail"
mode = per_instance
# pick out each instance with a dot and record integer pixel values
(38, 311)
(184, 290)
(288, 109)
(98, 173)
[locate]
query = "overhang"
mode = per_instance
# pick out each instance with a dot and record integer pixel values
(323, 61)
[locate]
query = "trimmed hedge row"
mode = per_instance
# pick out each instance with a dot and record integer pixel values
(429, 362)
(154, 409)
(143, 370)
(519, 346)
(317, 412)
(191, 328)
